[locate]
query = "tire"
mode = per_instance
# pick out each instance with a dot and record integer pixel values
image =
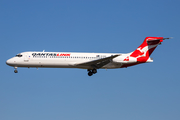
(90, 73)
(15, 71)
(94, 71)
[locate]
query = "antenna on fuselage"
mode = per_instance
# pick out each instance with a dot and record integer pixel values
(43, 50)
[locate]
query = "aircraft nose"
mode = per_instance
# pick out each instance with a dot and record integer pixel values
(9, 62)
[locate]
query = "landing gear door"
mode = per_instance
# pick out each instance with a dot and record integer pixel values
(26, 58)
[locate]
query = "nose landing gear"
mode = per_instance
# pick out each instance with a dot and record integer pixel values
(15, 71)
(91, 72)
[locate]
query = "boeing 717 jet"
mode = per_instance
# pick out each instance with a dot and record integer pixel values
(89, 61)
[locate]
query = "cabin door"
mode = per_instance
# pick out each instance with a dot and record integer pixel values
(26, 58)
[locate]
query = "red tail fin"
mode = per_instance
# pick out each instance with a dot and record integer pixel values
(143, 52)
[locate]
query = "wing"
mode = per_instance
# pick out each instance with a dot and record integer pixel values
(98, 63)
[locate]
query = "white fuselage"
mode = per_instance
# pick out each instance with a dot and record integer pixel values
(65, 60)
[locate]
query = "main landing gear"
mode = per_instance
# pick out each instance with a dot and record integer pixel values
(15, 71)
(91, 72)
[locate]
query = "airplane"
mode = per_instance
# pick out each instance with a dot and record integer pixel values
(89, 61)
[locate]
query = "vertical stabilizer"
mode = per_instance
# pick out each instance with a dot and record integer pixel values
(143, 52)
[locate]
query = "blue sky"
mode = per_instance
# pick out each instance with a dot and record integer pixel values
(143, 92)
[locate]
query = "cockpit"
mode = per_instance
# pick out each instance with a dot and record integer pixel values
(18, 55)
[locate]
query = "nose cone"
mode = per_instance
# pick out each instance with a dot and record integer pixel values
(9, 62)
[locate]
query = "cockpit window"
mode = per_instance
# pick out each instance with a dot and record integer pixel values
(18, 55)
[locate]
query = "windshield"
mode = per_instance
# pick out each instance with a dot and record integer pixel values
(18, 55)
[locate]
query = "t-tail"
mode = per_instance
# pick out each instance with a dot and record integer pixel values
(143, 52)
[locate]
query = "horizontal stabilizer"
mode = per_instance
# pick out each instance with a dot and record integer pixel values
(159, 39)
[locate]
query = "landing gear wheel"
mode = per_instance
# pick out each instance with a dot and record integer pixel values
(90, 73)
(94, 71)
(15, 71)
